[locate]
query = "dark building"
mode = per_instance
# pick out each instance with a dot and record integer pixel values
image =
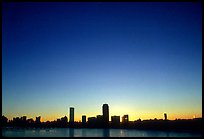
(165, 116)
(99, 120)
(71, 115)
(24, 118)
(64, 120)
(83, 119)
(4, 120)
(115, 121)
(37, 119)
(30, 121)
(125, 119)
(105, 115)
(58, 120)
(92, 121)
(17, 121)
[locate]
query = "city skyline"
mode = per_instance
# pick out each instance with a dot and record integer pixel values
(142, 59)
(101, 121)
(104, 113)
(85, 119)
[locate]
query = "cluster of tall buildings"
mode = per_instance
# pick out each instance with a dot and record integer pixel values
(103, 119)
(23, 119)
(99, 120)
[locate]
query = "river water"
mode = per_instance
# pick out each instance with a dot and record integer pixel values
(84, 132)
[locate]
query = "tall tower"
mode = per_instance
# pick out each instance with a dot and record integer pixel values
(83, 119)
(71, 115)
(105, 115)
(165, 116)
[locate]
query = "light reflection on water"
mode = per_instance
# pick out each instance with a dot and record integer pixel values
(84, 132)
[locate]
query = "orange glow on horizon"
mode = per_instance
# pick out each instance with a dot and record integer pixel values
(134, 113)
(131, 117)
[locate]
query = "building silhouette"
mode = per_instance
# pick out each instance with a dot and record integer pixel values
(125, 119)
(37, 119)
(24, 118)
(105, 115)
(92, 121)
(83, 120)
(30, 121)
(71, 115)
(115, 121)
(99, 120)
(4, 120)
(165, 116)
(64, 120)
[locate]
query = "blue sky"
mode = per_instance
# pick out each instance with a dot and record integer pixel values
(143, 59)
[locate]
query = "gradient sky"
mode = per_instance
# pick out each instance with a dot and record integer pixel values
(143, 59)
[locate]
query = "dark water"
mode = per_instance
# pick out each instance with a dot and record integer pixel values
(68, 132)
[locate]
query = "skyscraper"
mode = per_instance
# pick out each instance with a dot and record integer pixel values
(165, 116)
(83, 119)
(71, 115)
(105, 115)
